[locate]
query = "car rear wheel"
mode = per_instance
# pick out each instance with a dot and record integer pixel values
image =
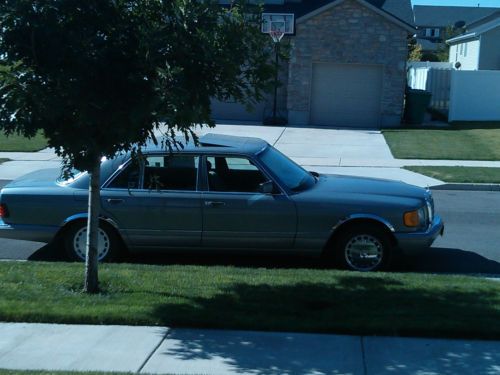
(364, 248)
(75, 242)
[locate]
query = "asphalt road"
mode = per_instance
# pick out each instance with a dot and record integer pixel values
(470, 243)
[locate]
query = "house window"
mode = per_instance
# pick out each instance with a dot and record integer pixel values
(432, 32)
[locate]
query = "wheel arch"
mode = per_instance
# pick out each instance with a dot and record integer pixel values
(358, 220)
(68, 222)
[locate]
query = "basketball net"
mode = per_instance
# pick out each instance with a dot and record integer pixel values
(277, 35)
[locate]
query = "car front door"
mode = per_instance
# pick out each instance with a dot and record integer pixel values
(237, 214)
(156, 203)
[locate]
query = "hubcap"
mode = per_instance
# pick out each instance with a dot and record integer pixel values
(363, 252)
(80, 243)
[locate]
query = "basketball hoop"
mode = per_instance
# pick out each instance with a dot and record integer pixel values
(276, 35)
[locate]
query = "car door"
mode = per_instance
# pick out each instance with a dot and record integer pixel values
(236, 215)
(155, 202)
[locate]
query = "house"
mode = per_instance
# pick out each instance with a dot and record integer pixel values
(347, 64)
(432, 21)
(478, 48)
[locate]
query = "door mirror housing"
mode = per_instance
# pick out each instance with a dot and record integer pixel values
(266, 187)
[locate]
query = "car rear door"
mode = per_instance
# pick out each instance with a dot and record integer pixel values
(156, 203)
(236, 215)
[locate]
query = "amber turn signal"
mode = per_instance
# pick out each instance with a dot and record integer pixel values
(411, 219)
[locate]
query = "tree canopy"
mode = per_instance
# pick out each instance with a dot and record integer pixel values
(98, 76)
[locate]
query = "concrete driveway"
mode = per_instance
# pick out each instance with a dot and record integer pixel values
(334, 151)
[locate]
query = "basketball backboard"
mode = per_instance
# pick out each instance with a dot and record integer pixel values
(284, 22)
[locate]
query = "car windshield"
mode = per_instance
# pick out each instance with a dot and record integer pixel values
(292, 175)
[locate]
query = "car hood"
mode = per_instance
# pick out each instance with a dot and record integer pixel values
(40, 178)
(365, 189)
(367, 186)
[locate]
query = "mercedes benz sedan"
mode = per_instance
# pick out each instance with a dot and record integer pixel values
(230, 194)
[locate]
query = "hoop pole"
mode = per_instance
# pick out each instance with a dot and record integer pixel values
(276, 47)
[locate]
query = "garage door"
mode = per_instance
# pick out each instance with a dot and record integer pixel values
(236, 111)
(346, 95)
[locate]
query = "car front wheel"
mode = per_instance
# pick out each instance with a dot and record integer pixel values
(75, 242)
(364, 248)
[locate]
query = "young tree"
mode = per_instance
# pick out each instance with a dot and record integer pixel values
(100, 76)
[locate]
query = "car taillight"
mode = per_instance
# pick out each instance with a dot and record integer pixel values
(4, 212)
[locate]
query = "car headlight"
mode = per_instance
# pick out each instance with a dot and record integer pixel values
(416, 218)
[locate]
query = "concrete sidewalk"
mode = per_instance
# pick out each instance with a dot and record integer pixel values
(332, 151)
(161, 350)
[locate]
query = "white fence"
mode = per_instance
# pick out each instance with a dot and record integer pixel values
(475, 96)
(432, 77)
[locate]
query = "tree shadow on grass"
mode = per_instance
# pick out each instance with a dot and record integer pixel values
(349, 304)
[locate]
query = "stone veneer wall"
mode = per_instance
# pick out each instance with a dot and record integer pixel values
(348, 33)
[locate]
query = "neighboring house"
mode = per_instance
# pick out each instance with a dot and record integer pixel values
(347, 64)
(432, 21)
(478, 48)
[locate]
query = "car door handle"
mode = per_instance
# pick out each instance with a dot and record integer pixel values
(114, 200)
(214, 204)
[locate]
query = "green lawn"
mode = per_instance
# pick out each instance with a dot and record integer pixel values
(463, 141)
(16, 142)
(306, 300)
(460, 174)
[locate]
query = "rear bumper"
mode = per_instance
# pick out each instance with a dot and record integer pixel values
(414, 243)
(39, 233)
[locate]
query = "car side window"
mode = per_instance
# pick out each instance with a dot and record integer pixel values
(171, 172)
(233, 174)
(128, 178)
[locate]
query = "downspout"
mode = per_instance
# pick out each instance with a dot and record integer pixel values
(479, 53)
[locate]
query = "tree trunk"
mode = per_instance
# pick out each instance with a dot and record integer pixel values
(91, 275)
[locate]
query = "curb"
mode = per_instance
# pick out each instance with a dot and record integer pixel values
(467, 187)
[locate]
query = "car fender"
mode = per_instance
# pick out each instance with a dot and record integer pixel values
(352, 217)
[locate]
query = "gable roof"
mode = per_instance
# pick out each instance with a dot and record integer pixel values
(481, 28)
(442, 16)
(398, 9)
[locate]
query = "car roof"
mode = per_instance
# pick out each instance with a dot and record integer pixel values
(215, 143)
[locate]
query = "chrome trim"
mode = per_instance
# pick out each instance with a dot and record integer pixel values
(364, 216)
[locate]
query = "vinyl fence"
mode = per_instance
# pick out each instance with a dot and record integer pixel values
(475, 95)
(432, 77)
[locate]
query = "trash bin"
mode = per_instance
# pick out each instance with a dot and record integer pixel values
(417, 102)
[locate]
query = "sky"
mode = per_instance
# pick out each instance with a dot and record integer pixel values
(467, 3)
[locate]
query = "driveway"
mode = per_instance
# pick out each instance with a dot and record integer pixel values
(331, 151)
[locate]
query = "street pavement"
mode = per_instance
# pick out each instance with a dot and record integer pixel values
(163, 350)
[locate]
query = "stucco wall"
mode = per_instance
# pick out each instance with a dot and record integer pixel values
(348, 33)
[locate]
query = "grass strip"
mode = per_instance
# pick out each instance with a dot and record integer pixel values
(18, 143)
(480, 175)
(464, 141)
(300, 300)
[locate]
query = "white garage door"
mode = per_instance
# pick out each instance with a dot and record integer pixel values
(346, 95)
(236, 111)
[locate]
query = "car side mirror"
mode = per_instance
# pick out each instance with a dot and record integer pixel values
(266, 187)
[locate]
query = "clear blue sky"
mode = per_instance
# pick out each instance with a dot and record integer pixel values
(466, 3)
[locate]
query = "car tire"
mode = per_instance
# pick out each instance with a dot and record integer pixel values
(75, 239)
(364, 248)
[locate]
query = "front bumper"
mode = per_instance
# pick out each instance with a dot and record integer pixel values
(416, 242)
(38, 233)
